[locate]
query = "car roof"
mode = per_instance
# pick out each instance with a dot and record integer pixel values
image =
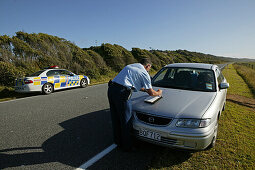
(193, 65)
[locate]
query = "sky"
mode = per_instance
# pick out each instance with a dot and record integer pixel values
(218, 27)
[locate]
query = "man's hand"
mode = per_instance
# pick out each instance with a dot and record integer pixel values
(152, 92)
(159, 92)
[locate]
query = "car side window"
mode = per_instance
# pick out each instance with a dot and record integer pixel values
(65, 72)
(52, 73)
(62, 72)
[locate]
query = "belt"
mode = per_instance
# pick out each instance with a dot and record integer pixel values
(128, 90)
(112, 83)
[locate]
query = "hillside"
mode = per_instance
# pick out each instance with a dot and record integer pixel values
(26, 53)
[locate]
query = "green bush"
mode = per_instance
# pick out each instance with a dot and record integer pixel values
(164, 58)
(27, 53)
(8, 74)
(140, 54)
(115, 56)
(99, 61)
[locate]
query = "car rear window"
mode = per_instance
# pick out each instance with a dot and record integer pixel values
(185, 78)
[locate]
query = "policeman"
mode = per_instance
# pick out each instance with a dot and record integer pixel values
(133, 77)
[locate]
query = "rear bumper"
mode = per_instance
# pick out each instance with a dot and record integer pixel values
(27, 88)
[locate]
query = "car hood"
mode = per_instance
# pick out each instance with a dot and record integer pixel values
(175, 103)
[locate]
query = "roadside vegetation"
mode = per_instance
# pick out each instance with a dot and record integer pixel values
(235, 146)
(26, 53)
(248, 74)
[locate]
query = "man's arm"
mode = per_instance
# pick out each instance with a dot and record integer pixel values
(152, 92)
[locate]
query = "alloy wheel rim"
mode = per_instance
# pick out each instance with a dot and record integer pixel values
(48, 88)
(83, 82)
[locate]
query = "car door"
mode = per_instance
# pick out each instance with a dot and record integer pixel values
(63, 79)
(72, 80)
(53, 77)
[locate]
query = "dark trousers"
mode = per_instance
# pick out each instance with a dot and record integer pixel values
(121, 115)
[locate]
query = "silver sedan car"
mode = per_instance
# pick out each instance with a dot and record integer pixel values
(194, 96)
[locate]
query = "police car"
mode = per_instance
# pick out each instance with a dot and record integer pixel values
(49, 80)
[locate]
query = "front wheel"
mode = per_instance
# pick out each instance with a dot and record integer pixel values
(213, 142)
(224, 106)
(47, 88)
(84, 83)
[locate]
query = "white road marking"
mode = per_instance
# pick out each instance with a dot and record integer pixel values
(97, 157)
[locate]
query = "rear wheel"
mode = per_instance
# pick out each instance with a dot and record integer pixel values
(84, 83)
(47, 88)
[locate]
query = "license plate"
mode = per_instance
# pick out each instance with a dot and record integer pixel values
(19, 88)
(149, 134)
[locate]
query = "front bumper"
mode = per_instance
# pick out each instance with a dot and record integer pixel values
(172, 136)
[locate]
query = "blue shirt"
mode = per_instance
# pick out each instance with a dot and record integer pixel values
(134, 76)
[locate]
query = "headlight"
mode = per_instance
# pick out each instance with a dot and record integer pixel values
(193, 123)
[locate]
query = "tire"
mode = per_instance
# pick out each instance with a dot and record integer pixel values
(213, 142)
(83, 83)
(47, 88)
(224, 106)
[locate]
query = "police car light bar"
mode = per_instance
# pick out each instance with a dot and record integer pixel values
(50, 67)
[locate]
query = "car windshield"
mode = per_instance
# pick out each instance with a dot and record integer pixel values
(185, 78)
(36, 73)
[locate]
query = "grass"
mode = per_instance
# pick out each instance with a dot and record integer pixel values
(248, 64)
(235, 146)
(248, 75)
(237, 84)
(6, 93)
(103, 78)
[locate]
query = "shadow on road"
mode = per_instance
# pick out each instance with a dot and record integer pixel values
(144, 156)
(82, 138)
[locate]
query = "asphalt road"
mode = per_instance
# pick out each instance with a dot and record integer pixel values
(63, 130)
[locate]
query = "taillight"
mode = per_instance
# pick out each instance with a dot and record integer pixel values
(28, 81)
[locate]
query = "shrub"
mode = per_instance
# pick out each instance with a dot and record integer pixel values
(99, 61)
(8, 74)
(139, 54)
(164, 58)
(115, 56)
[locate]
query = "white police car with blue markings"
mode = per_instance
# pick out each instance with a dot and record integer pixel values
(49, 80)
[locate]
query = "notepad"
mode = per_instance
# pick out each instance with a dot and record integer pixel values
(152, 99)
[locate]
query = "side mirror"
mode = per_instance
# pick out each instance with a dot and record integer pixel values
(224, 85)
